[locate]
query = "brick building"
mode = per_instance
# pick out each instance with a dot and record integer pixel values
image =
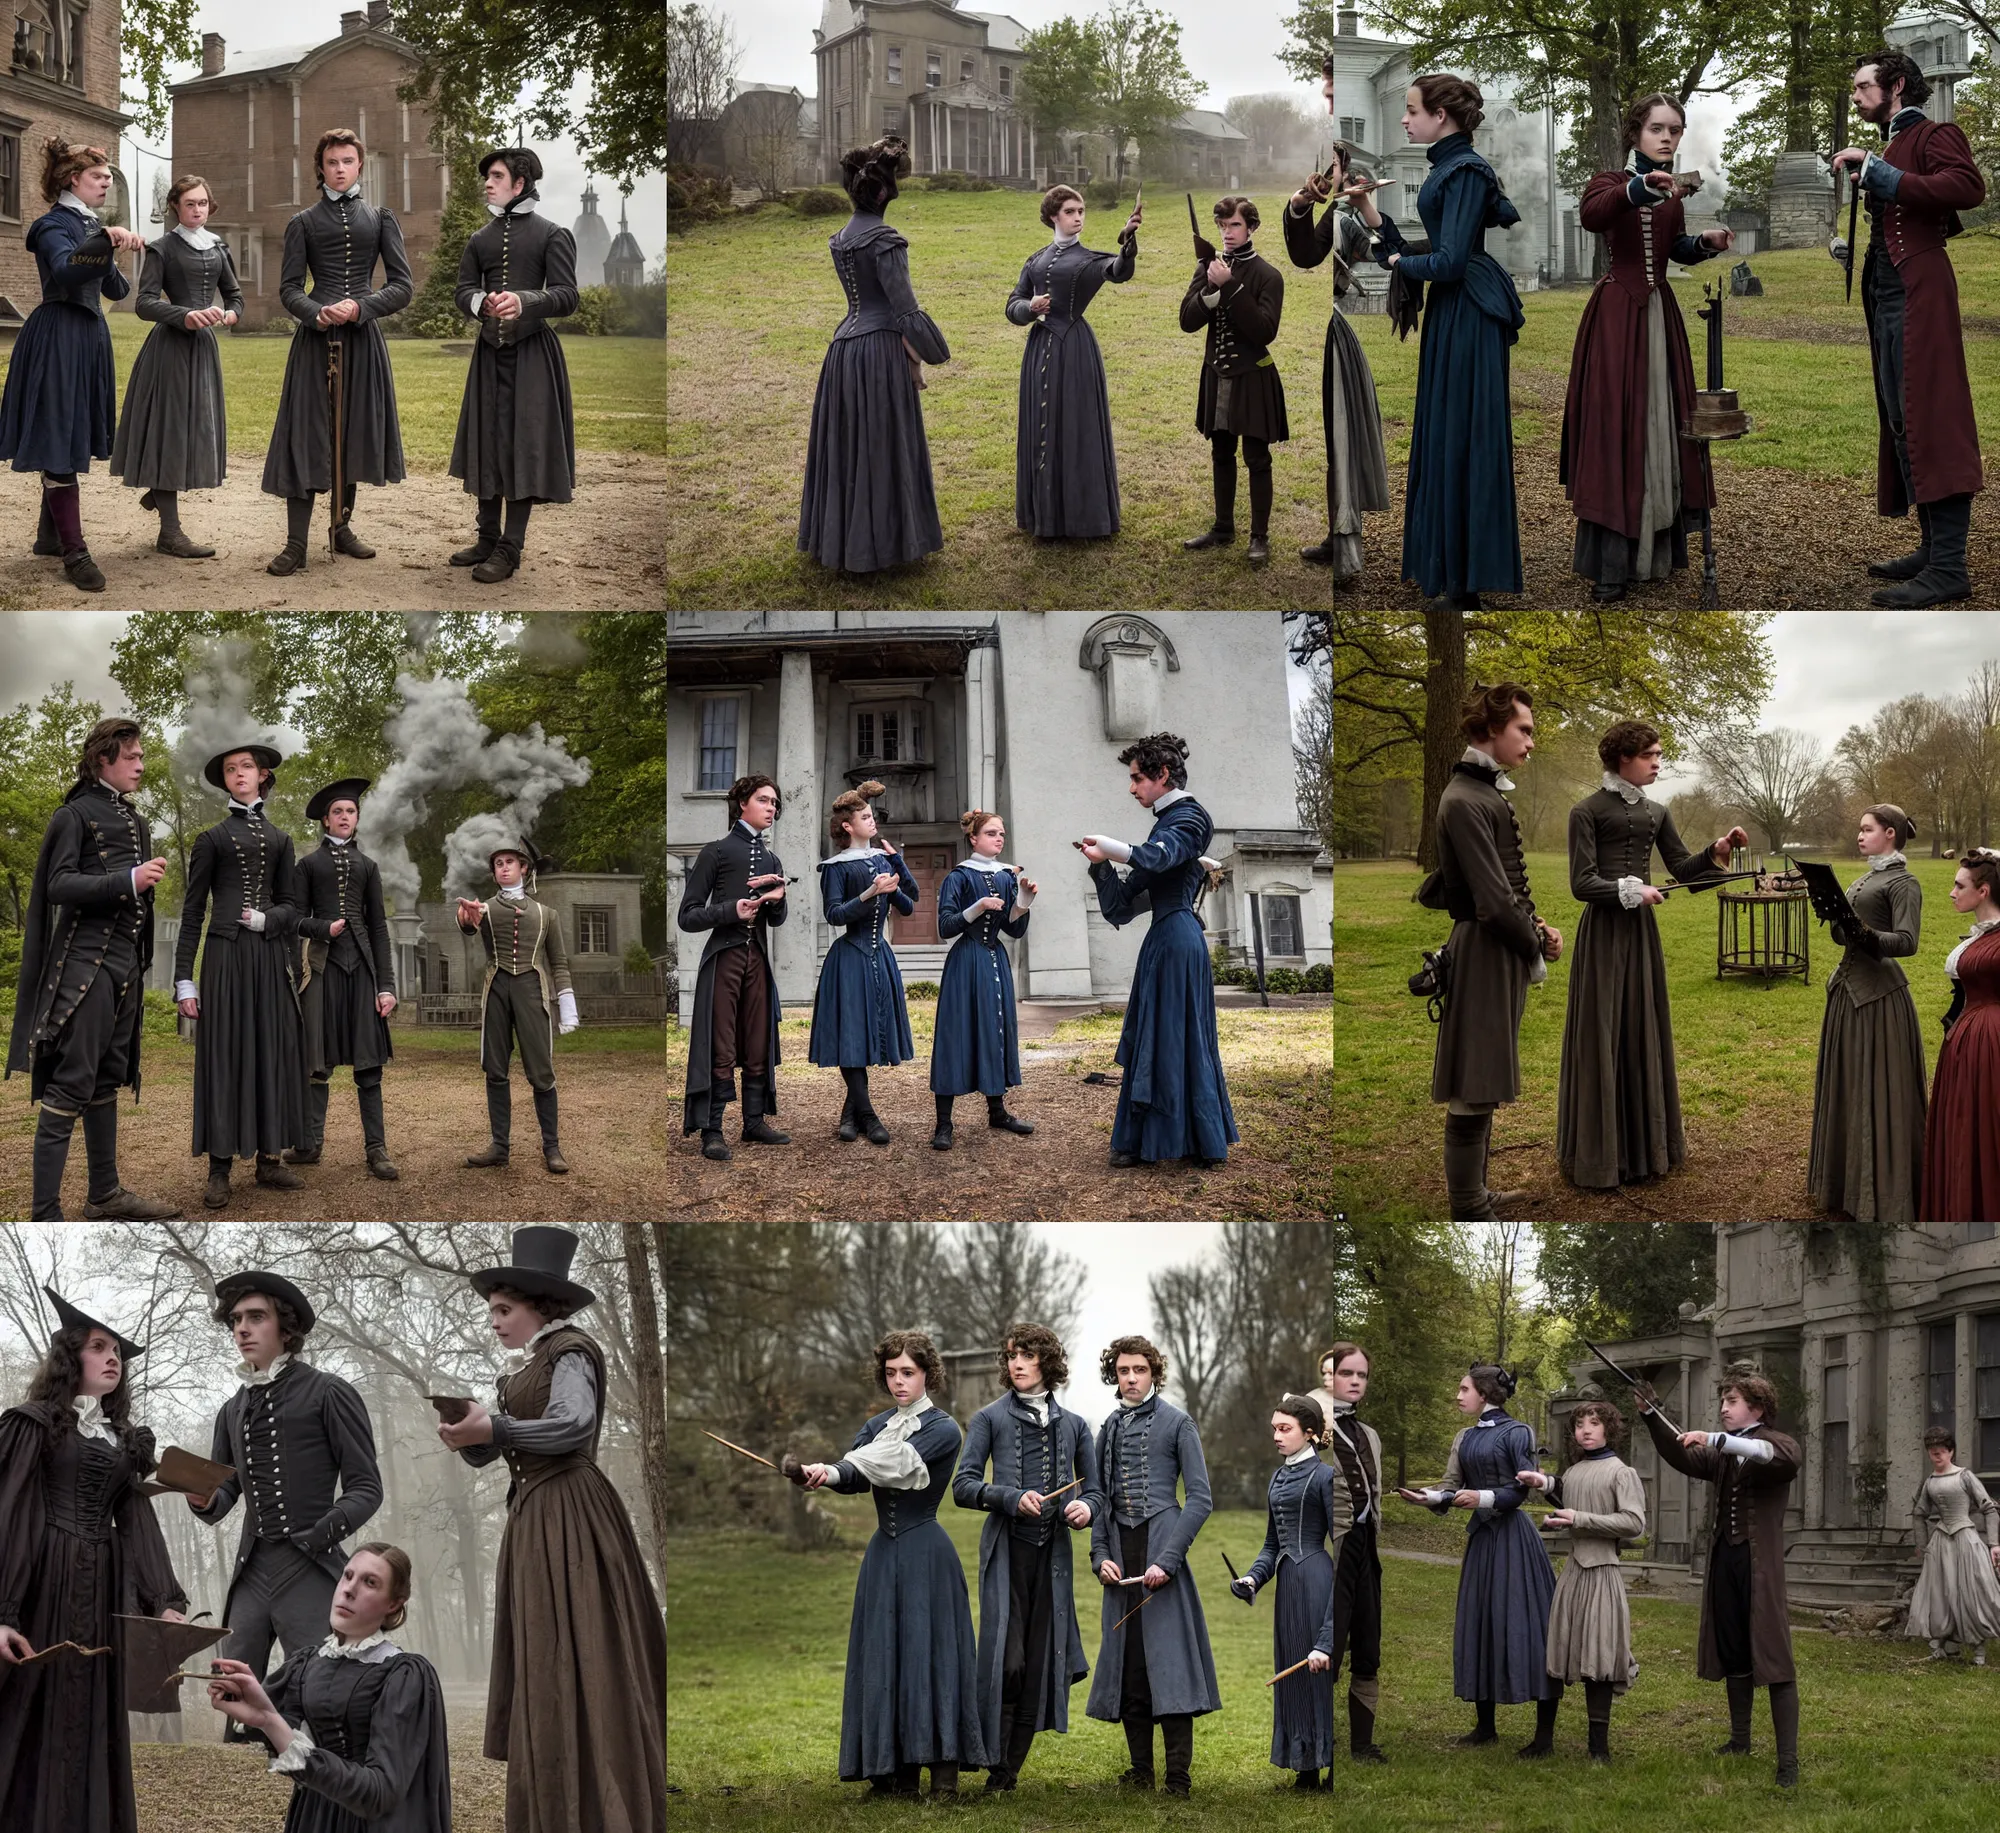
(249, 122)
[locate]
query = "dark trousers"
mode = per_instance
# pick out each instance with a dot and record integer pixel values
(94, 1049)
(1024, 1662)
(282, 1596)
(1135, 1694)
(1257, 461)
(1729, 1604)
(1357, 1604)
(1888, 304)
(515, 1015)
(741, 1033)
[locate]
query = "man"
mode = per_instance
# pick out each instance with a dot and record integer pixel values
(1499, 947)
(1154, 1666)
(1928, 449)
(1030, 1645)
(1746, 1625)
(337, 240)
(527, 999)
(736, 891)
(516, 433)
(80, 1002)
(1238, 298)
(1618, 1111)
(350, 983)
(304, 1455)
(1355, 1451)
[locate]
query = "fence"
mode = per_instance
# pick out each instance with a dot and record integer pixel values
(609, 998)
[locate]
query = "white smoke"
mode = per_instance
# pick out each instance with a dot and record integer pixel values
(219, 690)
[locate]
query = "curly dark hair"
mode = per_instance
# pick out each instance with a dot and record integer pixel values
(291, 1332)
(1039, 1341)
(59, 1380)
(1494, 1384)
(1626, 739)
(1246, 207)
(1107, 1364)
(1982, 866)
(105, 743)
(869, 174)
(1940, 1435)
(917, 1345)
(1489, 710)
(1756, 1392)
(549, 1308)
(1306, 1410)
(1159, 754)
(744, 788)
(1614, 1421)
(1892, 65)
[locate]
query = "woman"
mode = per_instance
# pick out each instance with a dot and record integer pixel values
(1461, 536)
(61, 397)
(357, 1723)
(1962, 1130)
(174, 435)
(859, 1016)
(1298, 1522)
(868, 500)
(79, 1546)
(576, 1707)
(1868, 1094)
(1065, 472)
(911, 1697)
(975, 1044)
(1956, 1603)
(1499, 1647)
(1636, 484)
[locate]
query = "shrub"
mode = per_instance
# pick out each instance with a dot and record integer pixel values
(695, 196)
(617, 311)
(820, 200)
(921, 989)
(637, 960)
(1284, 980)
(1319, 977)
(959, 181)
(1101, 194)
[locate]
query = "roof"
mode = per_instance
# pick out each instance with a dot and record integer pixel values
(1210, 125)
(791, 89)
(274, 58)
(1003, 31)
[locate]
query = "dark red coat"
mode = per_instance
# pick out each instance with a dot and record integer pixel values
(1939, 180)
(1604, 415)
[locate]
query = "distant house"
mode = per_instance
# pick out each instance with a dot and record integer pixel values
(767, 136)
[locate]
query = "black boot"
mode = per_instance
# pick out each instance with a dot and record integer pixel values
(291, 558)
(1222, 531)
(1361, 1745)
(1945, 579)
(1908, 566)
(500, 1122)
(345, 540)
(505, 558)
(1261, 493)
(756, 1129)
(1177, 1741)
(1544, 1739)
(863, 1115)
(1321, 553)
(1139, 1747)
(216, 1195)
(52, 1134)
(941, 1133)
(374, 1130)
(107, 1199)
(1483, 1730)
(1742, 1692)
(170, 539)
(1597, 1702)
(489, 533)
(944, 1780)
(850, 1128)
(317, 1093)
(720, 1094)
(998, 1116)
(1307, 1778)
(545, 1118)
(274, 1174)
(1785, 1730)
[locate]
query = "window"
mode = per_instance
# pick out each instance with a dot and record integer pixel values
(1281, 926)
(1986, 1387)
(444, 976)
(933, 69)
(892, 120)
(1350, 129)
(10, 175)
(895, 66)
(965, 69)
(889, 733)
(593, 931)
(718, 745)
(1836, 1478)
(1006, 83)
(1941, 1375)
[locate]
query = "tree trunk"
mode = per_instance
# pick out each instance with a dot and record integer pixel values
(1444, 693)
(651, 1380)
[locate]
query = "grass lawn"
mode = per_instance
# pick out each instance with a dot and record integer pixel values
(1745, 1050)
(759, 1640)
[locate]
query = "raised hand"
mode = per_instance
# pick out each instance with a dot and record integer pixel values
(470, 910)
(884, 882)
(149, 873)
(1218, 272)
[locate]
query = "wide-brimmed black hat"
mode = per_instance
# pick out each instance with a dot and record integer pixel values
(73, 1319)
(541, 1268)
(347, 789)
(267, 759)
(272, 1285)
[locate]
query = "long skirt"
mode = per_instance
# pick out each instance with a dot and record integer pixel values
(1174, 1100)
(516, 426)
(300, 458)
(1962, 1129)
(174, 432)
(1065, 470)
(1500, 1639)
(975, 1039)
(249, 1052)
(1590, 1627)
(868, 501)
(61, 399)
(1357, 469)
(1868, 1110)
(1958, 1594)
(1301, 1703)
(342, 1025)
(859, 1016)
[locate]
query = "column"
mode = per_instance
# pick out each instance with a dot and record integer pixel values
(982, 775)
(796, 833)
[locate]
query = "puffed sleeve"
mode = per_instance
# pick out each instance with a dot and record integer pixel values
(22, 1511)
(892, 270)
(150, 1582)
(1460, 230)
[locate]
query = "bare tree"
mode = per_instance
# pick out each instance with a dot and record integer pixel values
(1979, 714)
(702, 54)
(1769, 775)
(1312, 754)
(1002, 1273)
(769, 125)
(1191, 1312)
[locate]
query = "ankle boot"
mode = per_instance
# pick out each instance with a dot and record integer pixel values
(489, 533)
(274, 1174)
(1361, 1745)
(52, 1135)
(1483, 1731)
(345, 540)
(500, 1121)
(944, 1780)
(1222, 474)
(998, 1116)
(1785, 1730)
(941, 1134)
(1742, 1691)
(756, 1129)
(317, 1095)
(291, 558)
(1943, 578)
(850, 1128)
(1465, 1138)
(503, 563)
(107, 1199)
(1908, 566)
(216, 1195)
(1544, 1739)
(720, 1094)
(545, 1118)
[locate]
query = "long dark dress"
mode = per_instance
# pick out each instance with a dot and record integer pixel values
(1174, 1100)
(859, 1016)
(78, 1545)
(1461, 532)
(975, 1041)
(911, 1691)
(868, 501)
(1868, 1090)
(174, 432)
(61, 398)
(1065, 471)
(344, 973)
(1298, 1522)
(1618, 1106)
(1962, 1129)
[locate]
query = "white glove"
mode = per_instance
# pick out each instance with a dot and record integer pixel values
(567, 1020)
(252, 919)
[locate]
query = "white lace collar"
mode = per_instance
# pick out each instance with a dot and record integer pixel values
(204, 237)
(1487, 761)
(90, 1420)
(369, 1649)
(1881, 862)
(1307, 1453)
(263, 1377)
(1168, 800)
(527, 1349)
(1631, 793)
(70, 201)
(1977, 930)
(904, 1421)
(853, 852)
(353, 191)
(249, 808)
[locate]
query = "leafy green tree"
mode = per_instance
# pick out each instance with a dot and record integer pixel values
(434, 312)
(1625, 1279)
(1060, 76)
(154, 35)
(1143, 85)
(38, 752)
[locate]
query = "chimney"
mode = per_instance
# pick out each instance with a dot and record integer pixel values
(1350, 22)
(353, 22)
(378, 16)
(211, 54)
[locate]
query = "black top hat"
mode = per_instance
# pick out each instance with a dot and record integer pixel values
(541, 1268)
(73, 1319)
(272, 1285)
(347, 789)
(265, 756)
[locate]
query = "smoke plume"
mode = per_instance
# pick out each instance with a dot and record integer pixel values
(219, 690)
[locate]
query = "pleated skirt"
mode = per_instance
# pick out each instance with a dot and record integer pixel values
(1301, 1703)
(868, 501)
(1868, 1109)
(1499, 1642)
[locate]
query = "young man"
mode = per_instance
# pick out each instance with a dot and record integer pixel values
(249, 1045)
(1746, 1626)
(1499, 947)
(80, 1001)
(337, 239)
(1174, 1099)
(1618, 1111)
(527, 999)
(304, 1454)
(1238, 299)
(1154, 1666)
(1355, 1451)
(736, 891)
(350, 973)
(1030, 1645)
(1928, 449)
(516, 433)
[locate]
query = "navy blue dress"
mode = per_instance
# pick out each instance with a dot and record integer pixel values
(1298, 1520)
(61, 402)
(976, 1044)
(1173, 1102)
(1460, 529)
(859, 1016)
(911, 1693)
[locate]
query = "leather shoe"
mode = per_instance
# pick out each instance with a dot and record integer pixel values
(216, 1196)
(713, 1145)
(1321, 553)
(273, 1174)
(302, 1155)
(1216, 537)
(346, 541)
(181, 547)
(495, 1154)
(1009, 1123)
(291, 558)
(878, 1134)
(1258, 551)
(1929, 587)
(1904, 566)
(942, 1137)
(1122, 1161)
(82, 571)
(379, 1165)
(123, 1206)
(553, 1160)
(478, 551)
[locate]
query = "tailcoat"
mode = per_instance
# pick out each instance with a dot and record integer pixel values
(720, 875)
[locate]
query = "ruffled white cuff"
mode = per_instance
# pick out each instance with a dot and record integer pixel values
(254, 920)
(1628, 892)
(184, 989)
(1113, 849)
(295, 1753)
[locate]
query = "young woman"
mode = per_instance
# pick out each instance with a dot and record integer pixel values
(61, 398)
(1868, 1095)
(174, 434)
(975, 1046)
(79, 1545)
(859, 1016)
(1956, 1603)
(1499, 1647)
(576, 1706)
(868, 500)
(1299, 1520)
(1461, 535)
(1600, 1501)
(911, 1697)
(357, 1723)
(1065, 472)
(1962, 1129)
(1635, 483)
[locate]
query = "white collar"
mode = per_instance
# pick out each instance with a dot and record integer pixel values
(1168, 800)
(90, 1420)
(1979, 929)
(337, 840)
(853, 852)
(904, 1421)
(1306, 1454)
(255, 1377)
(527, 1349)
(514, 894)
(1492, 1416)
(249, 808)
(1881, 862)
(70, 201)
(1487, 761)
(204, 237)
(1038, 1403)
(1631, 792)
(1132, 1406)
(521, 206)
(336, 197)
(755, 833)
(370, 1649)
(1059, 240)
(977, 864)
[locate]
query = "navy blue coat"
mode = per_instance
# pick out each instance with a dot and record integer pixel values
(911, 1690)
(1299, 1516)
(61, 403)
(859, 1016)
(1026, 1456)
(1174, 1101)
(976, 1043)
(1460, 529)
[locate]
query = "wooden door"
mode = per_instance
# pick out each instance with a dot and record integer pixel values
(928, 866)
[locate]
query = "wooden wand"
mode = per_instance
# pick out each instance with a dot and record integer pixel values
(1282, 1672)
(766, 1462)
(1134, 1611)
(1049, 1495)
